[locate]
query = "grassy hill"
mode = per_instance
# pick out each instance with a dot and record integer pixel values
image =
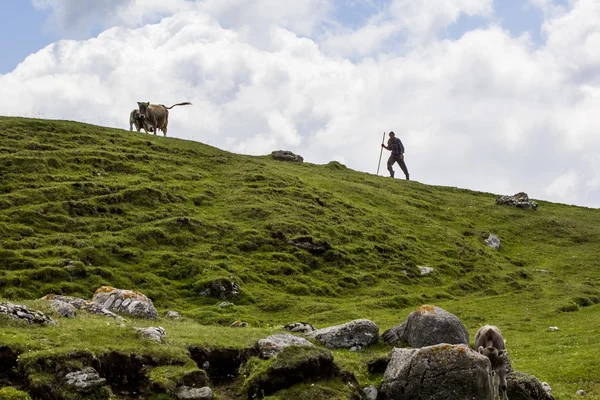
(83, 206)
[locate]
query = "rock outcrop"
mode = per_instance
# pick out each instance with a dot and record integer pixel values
(22, 313)
(356, 334)
(288, 156)
(274, 344)
(428, 326)
(80, 304)
(127, 302)
(520, 200)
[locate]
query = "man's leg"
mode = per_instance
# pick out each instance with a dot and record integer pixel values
(403, 167)
(391, 162)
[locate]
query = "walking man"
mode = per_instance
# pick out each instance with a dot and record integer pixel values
(397, 149)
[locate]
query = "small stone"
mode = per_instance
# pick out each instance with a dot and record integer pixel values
(553, 328)
(581, 393)
(370, 393)
(493, 241)
(153, 333)
(426, 270)
(225, 304)
(173, 315)
(547, 389)
(190, 393)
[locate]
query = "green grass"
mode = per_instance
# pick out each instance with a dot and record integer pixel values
(83, 206)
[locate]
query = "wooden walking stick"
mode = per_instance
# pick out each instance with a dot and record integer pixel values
(380, 153)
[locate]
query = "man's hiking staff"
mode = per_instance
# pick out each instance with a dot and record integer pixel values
(380, 153)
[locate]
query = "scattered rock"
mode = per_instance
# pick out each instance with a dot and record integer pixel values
(156, 334)
(125, 301)
(84, 381)
(173, 315)
(292, 366)
(521, 386)
(493, 242)
(239, 324)
(22, 313)
(64, 309)
(82, 304)
(370, 393)
(426, 270)
(274, 344)
(223, 289)
(190, 393)
(284, 155)
(542, 271)
(548, 390)
(553, 328)
(225, 304)
(520, 200)
(299, 327)
(441, 372)
(359, 333)
(428, 326)
(307, 243)
(581, 393)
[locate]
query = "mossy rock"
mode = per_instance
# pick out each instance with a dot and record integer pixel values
(294, 365)
(10, 393)
(168, 378)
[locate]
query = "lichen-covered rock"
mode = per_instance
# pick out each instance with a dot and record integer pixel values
(520, 200)
(64, 309)
(127, 302)
(84, 381)
(359, 333)
(428, 326)
(284, 155)
(521, 386)
(190, 393)
(493, 241)
(440, 372)
(274, 344)
(81, 304)
(156, 334)
(292, 366)
(299, 327)
(22, 313)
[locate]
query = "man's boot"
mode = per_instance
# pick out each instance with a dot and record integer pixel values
(392, 174)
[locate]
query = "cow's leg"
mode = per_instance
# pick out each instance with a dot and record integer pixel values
(165, 131)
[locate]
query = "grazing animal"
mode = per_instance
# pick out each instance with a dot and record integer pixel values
(156, 115)
(490, 343)
(136, 119)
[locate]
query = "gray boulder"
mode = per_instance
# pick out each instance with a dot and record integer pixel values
(64, 309)
(222, 288)
(274, 344)
(190, 393)
(299, 327)
(22, 313)
(440, 372)
(520, 200)
(284, 155)
(521, 386)
(125, 301)
(359, 334)
(493, 241)
(173, 315)
(84, 381)
(156, 334)
(428, 326)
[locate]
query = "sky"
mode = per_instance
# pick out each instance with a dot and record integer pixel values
(500, 96)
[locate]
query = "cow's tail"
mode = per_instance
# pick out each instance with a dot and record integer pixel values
(187, 103)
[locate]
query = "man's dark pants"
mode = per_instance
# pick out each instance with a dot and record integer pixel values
(400, 160)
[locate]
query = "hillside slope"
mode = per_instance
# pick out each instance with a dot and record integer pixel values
(84, 206)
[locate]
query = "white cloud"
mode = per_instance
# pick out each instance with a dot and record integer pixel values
(487, 112)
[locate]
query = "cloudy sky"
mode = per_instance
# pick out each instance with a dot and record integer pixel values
(493, 95)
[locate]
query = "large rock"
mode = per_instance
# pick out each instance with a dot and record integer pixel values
(274, 344)
(356, 334)
(292, 366)
(222, 288)
(125, 301)
(493, 241)
(441, 372)
(428, 326)
(520, 200)
(84, 381)
(22, 313)
(64, 309)
(80, 304)
(284, 155)
(190, 393)
(521, 386)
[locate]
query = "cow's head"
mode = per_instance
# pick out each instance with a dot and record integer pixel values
(143, 106)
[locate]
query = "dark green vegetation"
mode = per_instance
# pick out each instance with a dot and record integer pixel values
(83, 206)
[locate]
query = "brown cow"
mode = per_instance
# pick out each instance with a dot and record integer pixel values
(136, 119)
(156, 115)
(490, 343)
